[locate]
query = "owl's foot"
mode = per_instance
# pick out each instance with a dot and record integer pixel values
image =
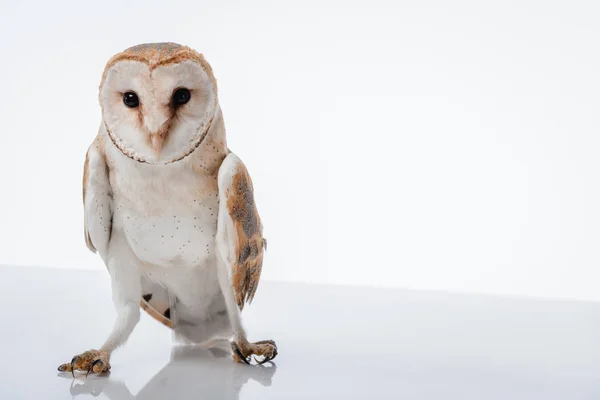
(96, 361)
(243, 350)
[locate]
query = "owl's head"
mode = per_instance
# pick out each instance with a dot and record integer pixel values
(158, 101)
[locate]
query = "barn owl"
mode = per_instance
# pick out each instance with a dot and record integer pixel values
(168, 207)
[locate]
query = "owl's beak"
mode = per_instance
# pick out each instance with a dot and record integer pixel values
(158, 130)
(157, 141)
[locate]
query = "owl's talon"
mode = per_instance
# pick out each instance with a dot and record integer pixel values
(98, 361)
(73, 360)
(237, 351)
(266, 360)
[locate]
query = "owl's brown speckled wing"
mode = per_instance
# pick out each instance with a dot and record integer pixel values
(239, 216)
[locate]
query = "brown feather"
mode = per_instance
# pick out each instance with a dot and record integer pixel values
(250, 244)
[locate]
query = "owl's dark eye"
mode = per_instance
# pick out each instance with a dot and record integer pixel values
(181, 96)
(131, 100)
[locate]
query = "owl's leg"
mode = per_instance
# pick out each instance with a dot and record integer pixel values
(240, 247)
(124, 271)
(241, 347)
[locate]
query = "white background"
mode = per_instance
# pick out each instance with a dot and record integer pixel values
(428, 145)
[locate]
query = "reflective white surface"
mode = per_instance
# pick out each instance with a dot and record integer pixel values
(334, 342)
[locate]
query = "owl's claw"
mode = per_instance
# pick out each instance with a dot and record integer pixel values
(266, 360)
(237, 351)
(92, 366)
(73, 360)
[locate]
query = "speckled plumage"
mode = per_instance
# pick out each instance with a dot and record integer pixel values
(168, 207)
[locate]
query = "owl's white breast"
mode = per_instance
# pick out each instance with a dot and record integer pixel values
(168, 213)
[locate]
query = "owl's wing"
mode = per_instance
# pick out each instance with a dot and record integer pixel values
(239, 229)
(97, 199)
